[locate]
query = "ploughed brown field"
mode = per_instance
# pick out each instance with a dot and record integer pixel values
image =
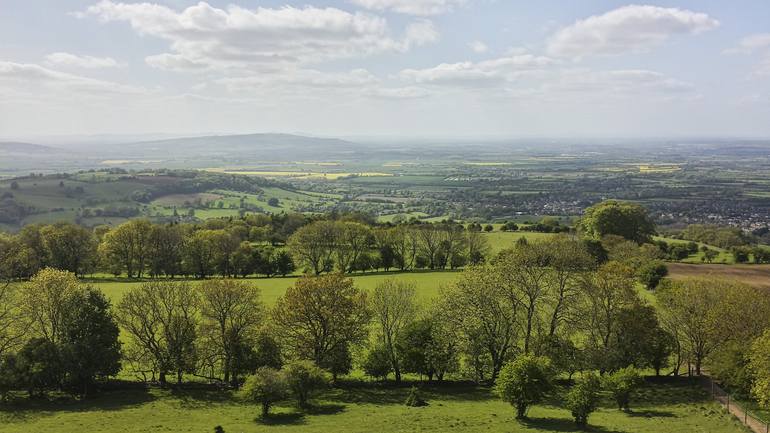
(754, 275)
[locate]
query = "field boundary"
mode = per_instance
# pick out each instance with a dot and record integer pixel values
(744, 414)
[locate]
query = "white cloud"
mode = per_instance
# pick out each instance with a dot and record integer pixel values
(306, 78)
(35, 79)
(203, 36)
(631, 28)
(73, 60)
(481, 74)
(411, 7)
(749, 44)
(398, 93)
(478, 47)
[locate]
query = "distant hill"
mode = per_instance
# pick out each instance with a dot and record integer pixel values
(25, 148)
(267, 146)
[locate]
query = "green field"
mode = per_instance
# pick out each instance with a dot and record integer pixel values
(363, 407)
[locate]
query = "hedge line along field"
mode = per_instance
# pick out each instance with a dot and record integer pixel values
(353, 408)
(427, 284)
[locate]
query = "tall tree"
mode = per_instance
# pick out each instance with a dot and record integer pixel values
(612, 217)
(161, 318)
(394, 306)
(232, 313)
(69, 247)
(319, 314)
(126, 248)
(44, 302)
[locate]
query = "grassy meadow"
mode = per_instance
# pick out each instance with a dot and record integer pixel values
(355, 407)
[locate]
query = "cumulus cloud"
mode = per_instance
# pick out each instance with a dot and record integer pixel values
(477, 74)
(355, 79)
(73, 60)
(411, 7)
(631, 28)
(206, 37)
(21, 77)
(615, 83)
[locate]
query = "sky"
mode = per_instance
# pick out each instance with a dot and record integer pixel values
(390, 68)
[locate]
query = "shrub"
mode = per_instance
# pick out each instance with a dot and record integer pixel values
(621, 384)
(524, 382)
(265, 387)
(583, 398)
(303, 378)
(377, 363)
(651, 273)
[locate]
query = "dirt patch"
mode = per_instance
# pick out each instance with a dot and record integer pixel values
(754, 275)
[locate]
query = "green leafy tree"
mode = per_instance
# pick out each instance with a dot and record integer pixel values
(394, 306)
(650, 273)
(377, 363)
(89, 345)
(266, 387)
(525, 382)
(44, 302)
(583, 398)
(318, 314)
(759, 364)
(303, 379)
(40, 366)
(628, 220)
(621, 384)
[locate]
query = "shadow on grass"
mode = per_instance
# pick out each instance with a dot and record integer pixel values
(391, 393)
(288, 418)
(195, 398)
(23, 407)
(650, 413)
(562, 425)
(324, 409)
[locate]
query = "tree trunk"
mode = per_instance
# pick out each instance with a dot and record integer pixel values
(265, 409)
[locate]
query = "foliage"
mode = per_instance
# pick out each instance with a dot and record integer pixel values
(613, 217)
(90, 349)
(377, 363)
(394, 306)
(621, 384)
(651, 273)
(303, 378)
(583, 398)
(266, 387)
(525, 382)
(759, 364)
(318, 314)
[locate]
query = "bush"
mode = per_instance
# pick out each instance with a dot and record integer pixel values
(524, 382)
(583, 398)
(414, 399)
(266, 387)
(377, 363)
(651, 273)
(621, 384)
(303, 378)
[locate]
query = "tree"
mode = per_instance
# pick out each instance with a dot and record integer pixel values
(606, 293)
(621, 384)
(612, 217)
(69, 247)
(339, 361)
(525, 382)
(44, 301)
(165, 250)
(231, 313)
(126, 248)
(319, 314)
(266, 387)
(583, 398)
(313, 245)
(394, 306)
(377, 363)
(40, 366)
(89, 346)
(693, 308)
(267, 352)
(304, 378)
(352, 239)
(568, 261)
(283, 263)
(161, 319)
(524, 272)
(759, 364)
(479, 308)
(12, 323)
(651, 273)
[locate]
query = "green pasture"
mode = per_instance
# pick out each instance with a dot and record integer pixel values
(358, 407)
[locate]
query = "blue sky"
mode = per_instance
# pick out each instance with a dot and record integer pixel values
(438, 68)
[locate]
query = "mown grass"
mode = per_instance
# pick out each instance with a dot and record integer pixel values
(362, 407)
